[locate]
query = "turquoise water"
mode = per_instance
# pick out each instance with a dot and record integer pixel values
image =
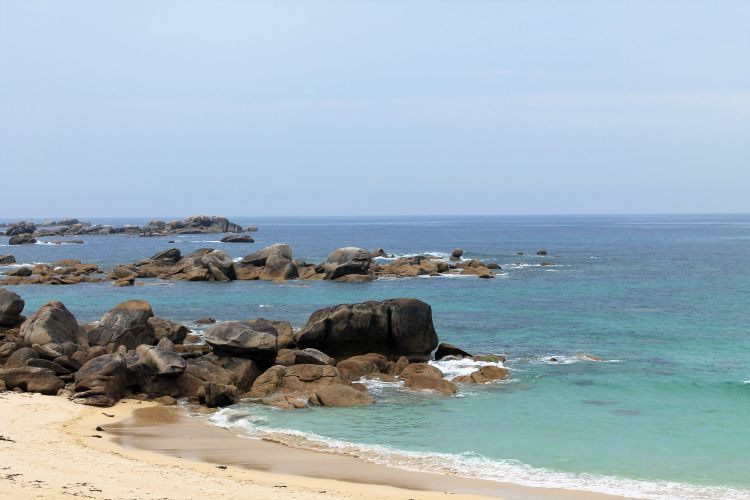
(665, 299)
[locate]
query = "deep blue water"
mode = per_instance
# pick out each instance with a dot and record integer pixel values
(665, 299)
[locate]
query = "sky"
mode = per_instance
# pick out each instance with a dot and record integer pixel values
(388, 107)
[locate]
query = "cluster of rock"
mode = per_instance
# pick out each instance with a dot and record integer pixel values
(62, 272)
(129, 352)
(26, 232)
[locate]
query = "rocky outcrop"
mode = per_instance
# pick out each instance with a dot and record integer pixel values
(11, 307)
(64, 272)
(295, 379)
(424, 377)
(102, 381)
(347, 261)
(456, 254)
(22, 239)
(393, 328)
(7, 259)
(227, 371)
(124, 325)
(52, 323)
(233, 338)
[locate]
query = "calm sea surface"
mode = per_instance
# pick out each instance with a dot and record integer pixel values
(665, 299)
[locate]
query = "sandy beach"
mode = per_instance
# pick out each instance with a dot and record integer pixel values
(51, 447)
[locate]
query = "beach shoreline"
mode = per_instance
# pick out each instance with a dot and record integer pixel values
(53, 447)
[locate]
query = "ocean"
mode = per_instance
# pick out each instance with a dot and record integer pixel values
(663, 300)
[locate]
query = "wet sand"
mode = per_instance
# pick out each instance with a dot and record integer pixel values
(171, 431)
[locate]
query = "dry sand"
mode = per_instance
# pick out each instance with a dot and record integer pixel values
(50, 448)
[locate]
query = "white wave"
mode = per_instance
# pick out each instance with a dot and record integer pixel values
(376, 387)
(439, 255)
(520, 265)
(745, 381)
(470, 465)
(22, 264)
(55, 244)
(237, 259)
(466, 366)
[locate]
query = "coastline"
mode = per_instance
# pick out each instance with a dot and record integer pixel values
(53, 451)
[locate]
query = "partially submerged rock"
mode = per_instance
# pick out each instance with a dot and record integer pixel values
(347, 261)
(445, 349)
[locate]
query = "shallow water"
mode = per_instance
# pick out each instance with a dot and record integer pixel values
(663, 298)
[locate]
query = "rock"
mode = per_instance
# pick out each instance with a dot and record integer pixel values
(251, 229)
(342, 395)
(126, 324)
(423, 382)
(282, 329)
(216, 395)
(52, 323)
(313, 357)
(160, 361)
(456, 254)
(31, 379)
(19, 271)
(354, 278)
(7, 259)
(445, 349)
(399, 366)
(247, 272)
(279, 268)
(378, 253)
(490, 358)
(296, 379)
(101, 381)
(11, 307)
(346, 261)
(20, 357)
(233, 338)
(204, 321)
(354, 369)
(286, 357)
(393, 328)
(485, 374)
(172, 255)
(165, 400)
(479, 272)
(20, 228)
(260, 257)
(22, 239)
(52, 350)
(271, 263)
(421, 369)
(237, 372)
(56, 368)
(164, 328)
(219, 264)
(542, 252)
(237, 239)
(547, 263)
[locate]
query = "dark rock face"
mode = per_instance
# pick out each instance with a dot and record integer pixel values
(31, 379)
(7, 259)
(22, 239)
(102, 380)
(234, 338)
(456, 254)
(20, 228)
(11, 306)
(20, 271)
(172, 255)
(393, 328)
(542, 252)
(52, 323)
(237, 239)
(20, 357)
(271, 263)
(347, 261)
(126, 324)
(444, 350)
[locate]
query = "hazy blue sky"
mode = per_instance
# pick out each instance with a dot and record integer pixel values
(380, 107)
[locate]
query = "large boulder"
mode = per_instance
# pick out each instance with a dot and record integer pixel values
(22, 239)
(20, 357)
(282, 329)
(393, 328)
(20, 228)
(271, 263)
(7, 259)
(219, 264)
(346, 261)
(487, 373)
(101, 381)
(236, 238)
(31, 379)
(456, 254)
(11, 306)
(234, 338)
(227, 371)
(165, 329)
(342, 395)
(296, 379)
(126, 324)
(52, 323)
